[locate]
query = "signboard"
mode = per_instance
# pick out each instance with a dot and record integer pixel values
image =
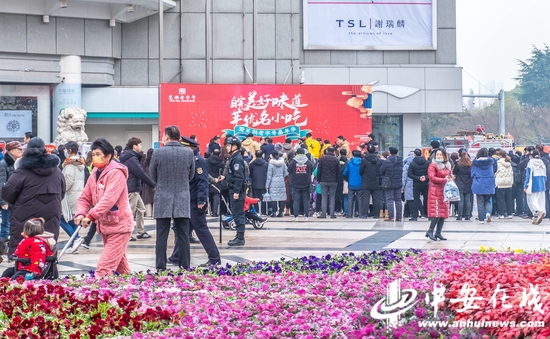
(370, 25)
(274, 111)
(14, 123)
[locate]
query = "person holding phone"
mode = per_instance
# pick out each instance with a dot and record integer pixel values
(104, 201)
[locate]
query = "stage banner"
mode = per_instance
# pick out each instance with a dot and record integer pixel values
(364, 25)
(274, 111)
(14, 123)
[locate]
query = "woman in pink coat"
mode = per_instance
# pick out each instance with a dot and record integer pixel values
(104, 201)
(439, 172)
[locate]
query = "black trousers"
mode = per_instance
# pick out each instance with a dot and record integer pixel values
(300, 197)
(418, 205)
(237, 209)
(198, 223)
(181, 227)
(91, 233)
(366, 196)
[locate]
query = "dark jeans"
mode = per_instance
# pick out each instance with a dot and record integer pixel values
(91, 233)
(465, 205)
(351, 202)
(258, 193)
(214, 203)
(366, 196)
(484, 205)
(505, 202)
(237, 208)
(318, 202)
(277, 204)
(517, 197)
(301, 198)
(69, 227)
(5, 227)
(393, 199)
(328, 189)
(181, 227)
(418, 204)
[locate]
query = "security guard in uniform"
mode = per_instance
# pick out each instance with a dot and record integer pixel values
(198, 188)
(237, 188)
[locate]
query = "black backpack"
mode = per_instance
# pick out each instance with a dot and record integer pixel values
(517, 174)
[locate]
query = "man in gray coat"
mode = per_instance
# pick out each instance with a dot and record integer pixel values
(172, 168)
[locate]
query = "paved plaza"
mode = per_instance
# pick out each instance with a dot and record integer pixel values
(283, 238)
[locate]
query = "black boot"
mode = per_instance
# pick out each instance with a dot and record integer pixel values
(437, 234)
(430, 233)
(238, 241)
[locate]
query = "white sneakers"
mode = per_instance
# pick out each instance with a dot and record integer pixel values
(296, 219)
(76, 244)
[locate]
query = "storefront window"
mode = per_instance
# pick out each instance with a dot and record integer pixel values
(388, 130)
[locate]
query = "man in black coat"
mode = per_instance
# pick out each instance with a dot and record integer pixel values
(14, 151)
(267, 148)
(370, 183)
(392, 168)
(215, 169)
(300, 170)
(258, 177)
(131, 158)
(418, 172)
(35, 189)
(328, 172)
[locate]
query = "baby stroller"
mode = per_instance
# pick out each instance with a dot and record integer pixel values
(49, 271)
(229, 223)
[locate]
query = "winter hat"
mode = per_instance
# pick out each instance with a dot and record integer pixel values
(36, 142)
(13, 145)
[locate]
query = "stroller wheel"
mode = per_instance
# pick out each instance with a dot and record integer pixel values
(257, 224)
(225, 225)
(232, 225)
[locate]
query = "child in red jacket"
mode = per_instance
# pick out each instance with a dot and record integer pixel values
(35, 247)
(249, 215)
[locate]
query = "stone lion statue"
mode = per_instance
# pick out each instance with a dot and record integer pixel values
(70, 125)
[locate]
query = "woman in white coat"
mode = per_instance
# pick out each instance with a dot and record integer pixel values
(504, 180)
(73, 171)
(275, 184)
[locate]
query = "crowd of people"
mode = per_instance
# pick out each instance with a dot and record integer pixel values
(110, 189)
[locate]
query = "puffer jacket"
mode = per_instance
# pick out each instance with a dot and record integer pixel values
(437, 173)
(370, 172)
(136, 174)
(407, 181)
(73, 171)
(352, 174)
(483, 176)
(275, 183)
(417, 169)
(314, 147)
(35, 189)
(463, 178)
(393, 168)
(105, 200)
(7, 166)
(504, 176)
(251, 145)
(535, 176)
(258, 173)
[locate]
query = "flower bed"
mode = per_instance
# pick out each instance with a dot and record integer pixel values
(327, 297)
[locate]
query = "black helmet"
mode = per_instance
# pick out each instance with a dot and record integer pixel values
(234, 141)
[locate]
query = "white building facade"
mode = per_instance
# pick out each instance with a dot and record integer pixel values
(209, 41)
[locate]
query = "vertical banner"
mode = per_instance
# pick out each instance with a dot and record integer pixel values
(380, 24)
(66, 95)
(274, 111)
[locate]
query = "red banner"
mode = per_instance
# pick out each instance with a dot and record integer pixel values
(274, 111)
